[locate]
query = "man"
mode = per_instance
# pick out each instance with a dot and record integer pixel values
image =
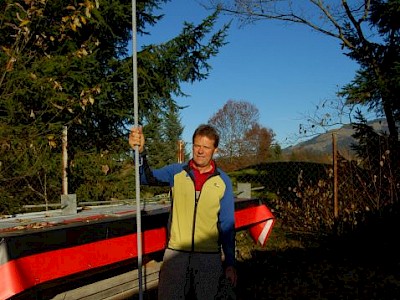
(201, 220)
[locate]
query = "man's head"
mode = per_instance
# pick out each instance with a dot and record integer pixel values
(205, 144)
(207, 131)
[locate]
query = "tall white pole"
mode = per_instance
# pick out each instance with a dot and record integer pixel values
(136, 117)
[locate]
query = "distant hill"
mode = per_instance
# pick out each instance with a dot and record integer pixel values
(323, 142)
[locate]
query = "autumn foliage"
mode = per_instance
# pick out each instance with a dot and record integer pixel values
(244, 141)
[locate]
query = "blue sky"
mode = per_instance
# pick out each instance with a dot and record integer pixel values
(284, 70)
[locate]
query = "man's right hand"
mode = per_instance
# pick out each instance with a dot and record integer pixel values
(136, 138)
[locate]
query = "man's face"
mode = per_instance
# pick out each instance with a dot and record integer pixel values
(203, 151)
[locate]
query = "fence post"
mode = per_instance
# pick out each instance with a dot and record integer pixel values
(181, 151)
(68, 201)
(64, 161)
(335, 179)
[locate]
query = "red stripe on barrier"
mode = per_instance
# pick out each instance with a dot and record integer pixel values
(252, 215)
(26, 272)
(260, 221)
(23, 273)
(260, 232)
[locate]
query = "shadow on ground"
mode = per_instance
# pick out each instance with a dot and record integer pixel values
(363, 265)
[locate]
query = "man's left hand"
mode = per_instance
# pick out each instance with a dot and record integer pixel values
(230, 274)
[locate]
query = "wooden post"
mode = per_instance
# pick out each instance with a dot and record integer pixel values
(68, 201)
(335, 179)
(181, 151)
(64, 161)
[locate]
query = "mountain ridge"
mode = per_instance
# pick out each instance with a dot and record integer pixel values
(322, 143)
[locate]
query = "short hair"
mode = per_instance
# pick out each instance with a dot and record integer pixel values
(208, 131)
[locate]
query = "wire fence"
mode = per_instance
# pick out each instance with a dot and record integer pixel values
(304, 195)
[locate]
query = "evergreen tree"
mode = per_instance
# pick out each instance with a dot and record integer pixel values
(377, 83)
(66, 63)
(377, 176)
(368, 33)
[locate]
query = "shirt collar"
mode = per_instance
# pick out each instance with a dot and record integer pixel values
(191, 165)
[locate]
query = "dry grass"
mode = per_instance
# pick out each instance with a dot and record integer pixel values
(364, 265)
(360, 266)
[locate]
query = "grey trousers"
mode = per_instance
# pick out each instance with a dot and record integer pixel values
(189, 275)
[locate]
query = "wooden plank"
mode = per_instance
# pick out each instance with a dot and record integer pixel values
(117, 287)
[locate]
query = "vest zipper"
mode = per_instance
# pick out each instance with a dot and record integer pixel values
(196, 201)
